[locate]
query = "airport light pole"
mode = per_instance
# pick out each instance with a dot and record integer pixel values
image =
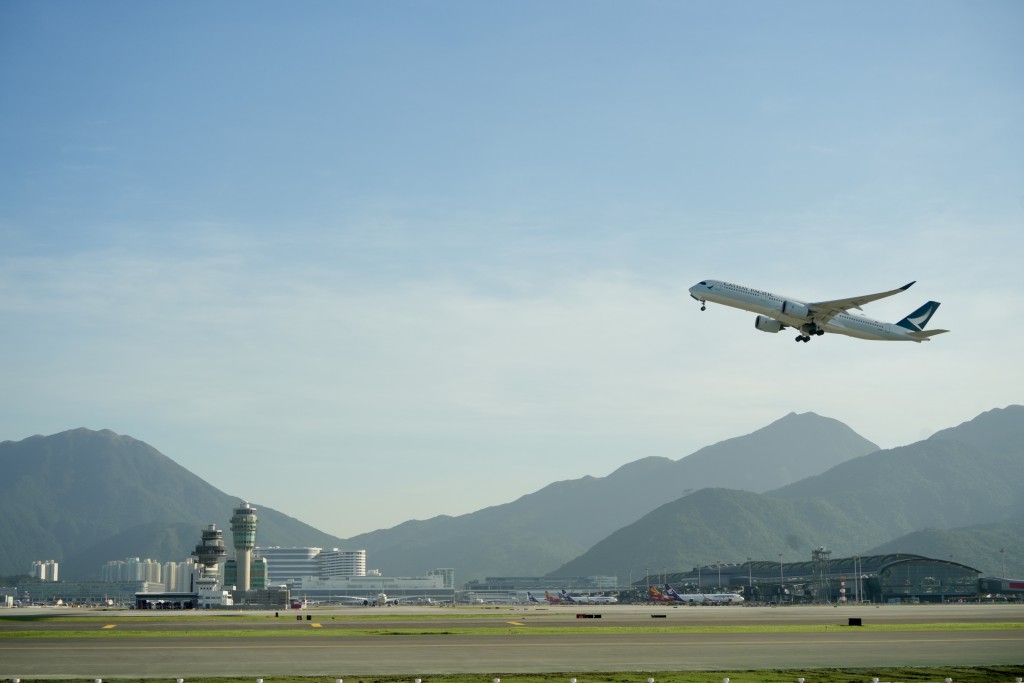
(719, 563)
(750, 578)
(782, 581)
(1002, 558)
(856, 579)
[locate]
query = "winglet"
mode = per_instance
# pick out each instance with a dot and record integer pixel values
(906, 286)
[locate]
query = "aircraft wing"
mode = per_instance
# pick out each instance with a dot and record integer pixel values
(826, 310)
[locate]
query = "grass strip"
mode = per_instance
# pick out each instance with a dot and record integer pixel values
(303, 630)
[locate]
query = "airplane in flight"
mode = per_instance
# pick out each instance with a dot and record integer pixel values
(776, 312)
(701, 598)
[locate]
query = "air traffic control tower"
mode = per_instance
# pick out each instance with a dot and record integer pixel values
(243, 530)
(211, 551)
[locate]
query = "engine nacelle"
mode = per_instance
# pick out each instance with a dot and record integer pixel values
(795, 310)
(766, 324)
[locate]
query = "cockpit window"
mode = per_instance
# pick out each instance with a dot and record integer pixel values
(704, 282)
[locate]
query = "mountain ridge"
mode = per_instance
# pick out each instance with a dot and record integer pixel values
(972, 474)
(550, 526)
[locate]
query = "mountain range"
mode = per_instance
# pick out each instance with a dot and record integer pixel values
(84, 497)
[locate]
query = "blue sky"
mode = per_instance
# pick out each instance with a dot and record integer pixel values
(418, 258)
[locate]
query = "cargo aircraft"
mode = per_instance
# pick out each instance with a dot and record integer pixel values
(776, 312)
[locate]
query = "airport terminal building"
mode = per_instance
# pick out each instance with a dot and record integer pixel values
(871, 578)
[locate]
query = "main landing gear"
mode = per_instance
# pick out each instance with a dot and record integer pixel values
(806, 337)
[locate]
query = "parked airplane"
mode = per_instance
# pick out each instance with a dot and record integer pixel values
(701, 598)
(533, 598)
(602, 599)
(381, 599)
(588, 599)
(553, 599)
(656, 595)
(816, 318)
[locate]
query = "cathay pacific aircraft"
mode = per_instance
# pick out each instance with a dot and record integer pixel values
(778, 312)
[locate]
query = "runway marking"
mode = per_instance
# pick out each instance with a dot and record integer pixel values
(317, 625)
(515, 623)
(110, 626)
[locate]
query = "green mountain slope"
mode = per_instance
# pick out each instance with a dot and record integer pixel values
(71, 496)
(938, 484)
(716, 525)
(995, 549)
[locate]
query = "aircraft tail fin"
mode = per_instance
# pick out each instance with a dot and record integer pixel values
(916, 321)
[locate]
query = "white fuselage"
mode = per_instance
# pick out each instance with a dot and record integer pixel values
(594, 599)
(727, 598)
(772, 306)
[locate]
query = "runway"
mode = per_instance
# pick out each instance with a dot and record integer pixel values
(624, 638)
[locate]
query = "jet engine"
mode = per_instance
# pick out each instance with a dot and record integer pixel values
(795, 310)
(767, 324)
